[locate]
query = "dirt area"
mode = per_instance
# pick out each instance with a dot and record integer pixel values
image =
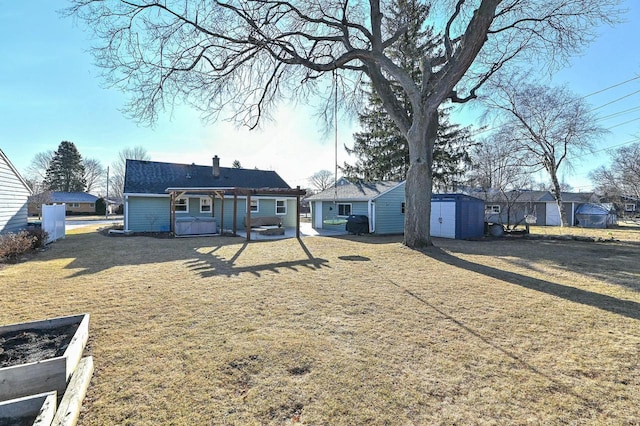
(31, 345)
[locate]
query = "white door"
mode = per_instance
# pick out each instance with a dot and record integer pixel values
(443, 220)
(317, 214)
(553, 215)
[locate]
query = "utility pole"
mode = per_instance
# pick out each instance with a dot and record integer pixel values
(106, 201)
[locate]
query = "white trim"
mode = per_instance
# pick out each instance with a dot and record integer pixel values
(16, 172)
(186, 204)
(285, 207)
(249, 205)
(317, 214)
(135, 194)
(372, 215)
(344, 204)
(125, 201)
(210, 204)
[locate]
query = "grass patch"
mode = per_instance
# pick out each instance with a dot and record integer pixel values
(353, 330)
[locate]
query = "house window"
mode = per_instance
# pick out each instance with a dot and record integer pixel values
(402, 207)
(281, 206)
(182, 204)
(344, 209)
(74, 204)
(255, 206)
(205, 205)
(92, 205)
(492, 209)
(629, 207)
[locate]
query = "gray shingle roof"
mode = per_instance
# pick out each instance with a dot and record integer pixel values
(72, 197)
(354, 191)
(152, 177)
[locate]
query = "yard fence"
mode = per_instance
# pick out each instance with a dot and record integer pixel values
(53, 218)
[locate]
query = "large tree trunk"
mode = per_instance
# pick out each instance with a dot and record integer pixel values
(557, 193)
(421, 138)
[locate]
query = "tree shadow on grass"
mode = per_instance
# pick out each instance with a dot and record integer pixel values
(214, 265)
(134, 251)
(611, 304)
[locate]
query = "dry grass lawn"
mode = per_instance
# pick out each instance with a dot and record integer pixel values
(345, 331)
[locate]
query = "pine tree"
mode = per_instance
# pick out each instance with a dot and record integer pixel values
(66, 171)
(381, 149)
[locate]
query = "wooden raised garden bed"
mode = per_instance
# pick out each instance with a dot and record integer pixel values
(30, 410)
(40, 356)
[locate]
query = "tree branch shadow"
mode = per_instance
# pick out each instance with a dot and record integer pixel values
(627, 308)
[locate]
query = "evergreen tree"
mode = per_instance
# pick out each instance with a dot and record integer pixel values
(381, 149)
(66, 171)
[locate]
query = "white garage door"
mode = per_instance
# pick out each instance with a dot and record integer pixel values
(443, 220)
(553, 215)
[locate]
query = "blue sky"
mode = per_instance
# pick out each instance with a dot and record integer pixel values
(50, 91)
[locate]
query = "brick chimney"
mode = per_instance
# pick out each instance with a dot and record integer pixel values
(216, 166)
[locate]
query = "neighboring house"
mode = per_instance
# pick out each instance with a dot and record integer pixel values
(76, 203)
(159, 195)
(630, 206)
(539, 207)
(14, 195)
(452, 215)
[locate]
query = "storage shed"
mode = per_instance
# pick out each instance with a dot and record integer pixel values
(594, 215)
(457, 216)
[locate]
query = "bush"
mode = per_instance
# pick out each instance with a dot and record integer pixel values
(39, 237)
(101, 206)
(13, 245)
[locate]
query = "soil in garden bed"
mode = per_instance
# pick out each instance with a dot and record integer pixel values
(31, 345)
(18, 421)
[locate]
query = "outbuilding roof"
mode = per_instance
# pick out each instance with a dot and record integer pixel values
(152, 177)
(72, 197)
(362, 191)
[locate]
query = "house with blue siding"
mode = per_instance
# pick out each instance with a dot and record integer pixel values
(14, 193)
(456, 216)
(167, 197)
(382, 202)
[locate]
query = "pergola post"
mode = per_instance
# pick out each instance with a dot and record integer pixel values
(248, 218)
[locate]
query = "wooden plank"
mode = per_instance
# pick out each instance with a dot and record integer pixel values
(69, 408)
(42, 406)
(33, 378)
(74, 351)
(46, 324)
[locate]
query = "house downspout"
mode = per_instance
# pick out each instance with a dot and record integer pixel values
(372, 217)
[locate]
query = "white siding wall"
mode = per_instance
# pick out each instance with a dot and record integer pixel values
(13, 199)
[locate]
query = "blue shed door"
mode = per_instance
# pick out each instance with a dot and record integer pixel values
(443, 219)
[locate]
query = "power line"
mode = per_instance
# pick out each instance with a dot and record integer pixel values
(616, 100)
(593, 109)
(611, 87)
(606, 117)
(622, 124)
